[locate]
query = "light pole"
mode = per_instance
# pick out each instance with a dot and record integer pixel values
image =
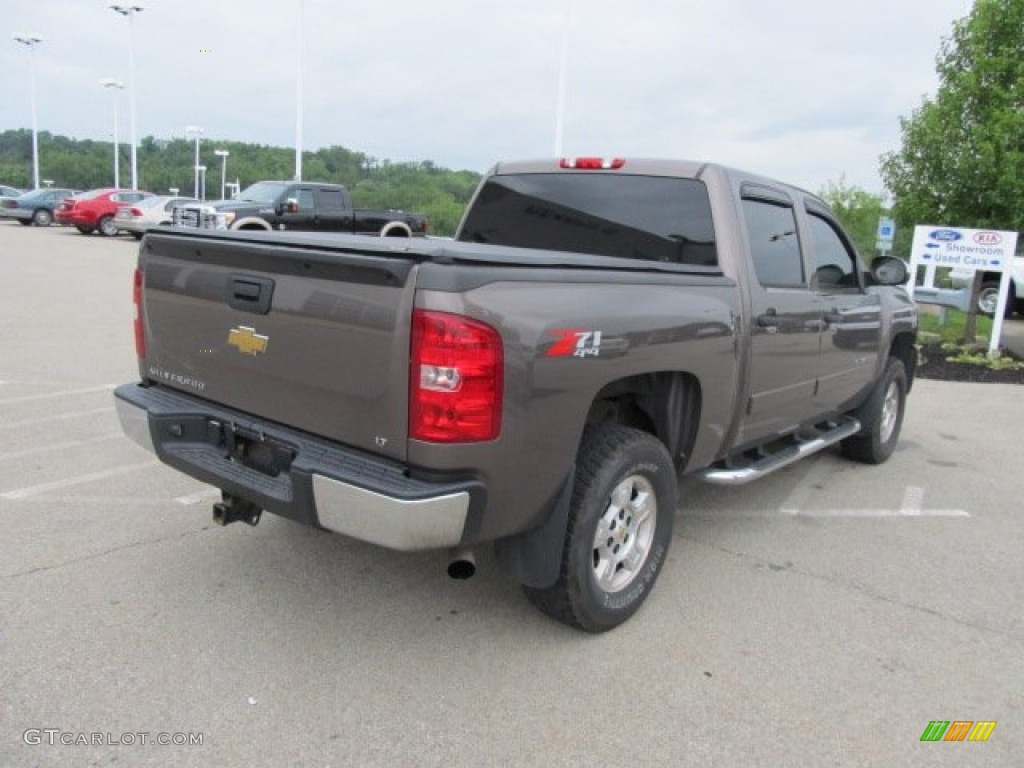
(115, 85)
(298, 98)
(130, 11)
(563, 59)
(32, 41)
(197, 131)
(223, 155)
(202, 182)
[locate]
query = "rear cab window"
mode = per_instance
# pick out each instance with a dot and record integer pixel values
(650, 218)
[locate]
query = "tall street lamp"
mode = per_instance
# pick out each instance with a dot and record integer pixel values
(32, 41)
(298, 98)
(563, 65)
(115, 86)
(130, 11)
(223, 155)
(197, 131)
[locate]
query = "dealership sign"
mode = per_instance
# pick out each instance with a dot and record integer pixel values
(963, 250)
(983, 249)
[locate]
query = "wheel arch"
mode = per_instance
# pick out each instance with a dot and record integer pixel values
(251, 222)
(903, 349)
(666, 404)
(396, 229)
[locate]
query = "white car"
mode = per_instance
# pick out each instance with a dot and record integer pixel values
(989, 295)
(153, 211)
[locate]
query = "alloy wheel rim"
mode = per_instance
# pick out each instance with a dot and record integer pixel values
(890, 410)
(624, 534)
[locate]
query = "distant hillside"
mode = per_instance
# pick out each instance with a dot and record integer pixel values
(440, 193)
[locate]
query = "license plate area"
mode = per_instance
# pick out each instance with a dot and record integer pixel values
(250, 448)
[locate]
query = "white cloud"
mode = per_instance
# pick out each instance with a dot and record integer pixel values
(801, 92)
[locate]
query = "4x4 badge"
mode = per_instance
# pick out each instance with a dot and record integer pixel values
(247, 341)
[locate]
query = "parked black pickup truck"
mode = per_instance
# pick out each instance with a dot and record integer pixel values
(597, 328)
(306, 206)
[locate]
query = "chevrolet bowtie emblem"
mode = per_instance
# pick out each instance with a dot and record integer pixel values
(247, 341)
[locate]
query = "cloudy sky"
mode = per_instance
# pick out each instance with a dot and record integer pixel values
(801, 91)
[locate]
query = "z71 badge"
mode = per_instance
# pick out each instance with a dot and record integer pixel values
(576, 342)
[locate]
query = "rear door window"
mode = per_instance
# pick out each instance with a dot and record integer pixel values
(774, 244)
(651, 218)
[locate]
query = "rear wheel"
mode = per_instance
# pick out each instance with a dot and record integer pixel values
(988, 299)
(106, 226)
(42, 218)
(620, 527)
(881, 418)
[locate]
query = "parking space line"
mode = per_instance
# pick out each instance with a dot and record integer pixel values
(35, 490)
(62, 417)
(210, 495)
(59, 446)
(884, 513)
(57, 395)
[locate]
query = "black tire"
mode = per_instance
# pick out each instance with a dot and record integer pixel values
(42, 218)
(988, 298)
(84, 230)
(106, 227)
(881, 418)
(137, 235)
(625, 487)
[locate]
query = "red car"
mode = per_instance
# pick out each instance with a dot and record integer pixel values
(95, 209)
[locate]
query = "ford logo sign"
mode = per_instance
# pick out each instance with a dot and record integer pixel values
(945, 235)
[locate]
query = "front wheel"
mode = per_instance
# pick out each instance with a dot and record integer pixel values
(881, 417)
(620, 527)
(42, 218)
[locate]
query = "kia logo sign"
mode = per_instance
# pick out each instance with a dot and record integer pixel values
(945, 235)
(988, 238)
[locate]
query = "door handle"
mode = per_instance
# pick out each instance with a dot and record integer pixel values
(250, 294)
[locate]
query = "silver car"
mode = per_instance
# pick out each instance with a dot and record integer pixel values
(35, 207)
(151, 212)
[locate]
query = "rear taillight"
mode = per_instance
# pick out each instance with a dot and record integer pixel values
(140, 334)
(455, 379)
(136, 212)
(592, 163)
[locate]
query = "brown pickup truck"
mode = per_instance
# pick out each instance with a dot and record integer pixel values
(596, 328)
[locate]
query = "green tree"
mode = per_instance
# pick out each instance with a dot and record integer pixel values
(857, 210)
(962, 155)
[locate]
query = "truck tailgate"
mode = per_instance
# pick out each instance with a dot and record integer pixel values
(315, 338)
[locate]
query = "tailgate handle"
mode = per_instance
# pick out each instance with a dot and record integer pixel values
(250, 294)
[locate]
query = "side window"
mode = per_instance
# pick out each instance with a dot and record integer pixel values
(305, 198)
(835, 266)
(773, 243)
(330, 199)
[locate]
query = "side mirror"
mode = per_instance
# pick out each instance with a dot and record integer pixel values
(888, 270)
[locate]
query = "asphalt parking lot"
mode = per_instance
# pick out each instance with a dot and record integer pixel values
(822, 617)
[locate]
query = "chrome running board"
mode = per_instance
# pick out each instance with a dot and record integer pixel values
(758, 462)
